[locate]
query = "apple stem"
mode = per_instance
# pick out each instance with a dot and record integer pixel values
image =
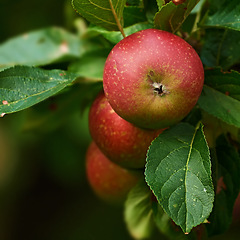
(116, 18)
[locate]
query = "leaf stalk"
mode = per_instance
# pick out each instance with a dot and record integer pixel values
(116, 19)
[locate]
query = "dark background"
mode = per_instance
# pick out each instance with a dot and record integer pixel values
(43, 189)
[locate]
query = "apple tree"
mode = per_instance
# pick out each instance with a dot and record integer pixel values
(161, 82)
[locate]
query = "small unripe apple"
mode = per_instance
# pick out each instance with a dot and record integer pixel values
(122, 142)
(153, 78)
(108, 180)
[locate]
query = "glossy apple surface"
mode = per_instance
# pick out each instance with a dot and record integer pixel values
(122, 142)
(109, 181)
(153, 78)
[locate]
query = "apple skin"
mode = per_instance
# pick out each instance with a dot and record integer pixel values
(122, 142)
(153, 78)
(109, 181)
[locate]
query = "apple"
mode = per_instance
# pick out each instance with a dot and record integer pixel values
(153, 78)
(108, 180)
(236, 211)
(122, 142)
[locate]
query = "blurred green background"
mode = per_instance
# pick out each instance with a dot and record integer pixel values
(43, 189)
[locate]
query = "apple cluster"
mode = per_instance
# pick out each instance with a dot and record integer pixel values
(152, 80)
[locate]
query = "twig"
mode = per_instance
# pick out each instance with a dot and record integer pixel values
(116, 18)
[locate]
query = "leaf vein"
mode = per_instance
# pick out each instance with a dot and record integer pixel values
(99, 6)
(101, 19)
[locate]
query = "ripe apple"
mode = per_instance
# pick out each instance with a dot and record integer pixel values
(122, 142)
(153, 78)
(236, 212)
(109, 181)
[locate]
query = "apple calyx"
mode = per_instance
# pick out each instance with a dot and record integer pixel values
(158, 87)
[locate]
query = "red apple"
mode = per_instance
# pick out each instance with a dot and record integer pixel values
(121, 141)
(236, 212)
(153, 78)
(109, 181)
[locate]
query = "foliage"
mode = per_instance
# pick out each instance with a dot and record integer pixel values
(184, 172)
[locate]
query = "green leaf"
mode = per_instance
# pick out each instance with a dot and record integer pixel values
(160, 3)
(221, 48)
(198, 7)
(227, 188)
(225, 82)
(190, 25)
(166, 226)
(40, 48)
(133, 15)
(224, 14)
(178, 171)
(22, 86)
(220, 106)
(151, 8)
(138, 212)
(99, 12)
(54, 111)
(170, 16)
(90, 66)
(169, 229)
(133, 2)
(115, 37)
